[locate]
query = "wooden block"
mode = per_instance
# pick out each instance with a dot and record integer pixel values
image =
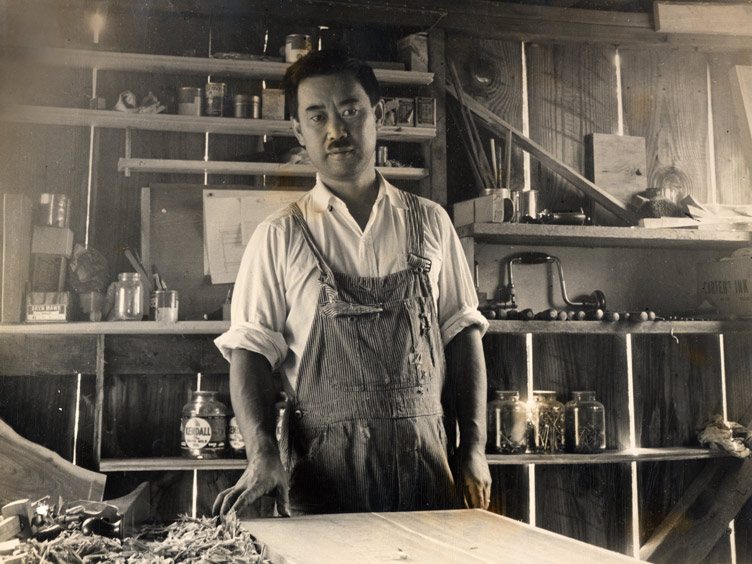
(52, 240)
(21, 508)
(15, 248)
(9, 527)
(464, 213)
(7, 547)
(741, 95)
(616, 164)
(18, 559)
(713, 18)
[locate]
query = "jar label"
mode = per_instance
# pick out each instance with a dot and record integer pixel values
(199, 432)
(234, 436)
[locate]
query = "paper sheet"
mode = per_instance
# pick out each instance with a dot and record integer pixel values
(230, 218)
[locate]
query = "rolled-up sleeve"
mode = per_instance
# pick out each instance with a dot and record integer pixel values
(258, 300)
(458, 300)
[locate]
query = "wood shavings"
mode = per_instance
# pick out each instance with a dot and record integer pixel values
(188, 540)
(728, 436)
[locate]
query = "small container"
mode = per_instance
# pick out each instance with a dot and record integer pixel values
(273, 103)
(164, 306)
(215, 99)
(507, 424)
(256, 107)
(382, 155)
(190, 101)
(129, 297)
(203, 426)
(241, 105)
(546, 423)
(297, 45)
(584, 424)
(54, 210)
(235, 438)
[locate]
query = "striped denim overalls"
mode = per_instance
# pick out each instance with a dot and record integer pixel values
(366, 421)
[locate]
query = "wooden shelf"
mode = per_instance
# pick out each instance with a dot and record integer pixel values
(173, 463)
(608, 457)
(249, 168)
(596, 236)
(619, 328)
(118, 328)
(47, 115)
(165, 64)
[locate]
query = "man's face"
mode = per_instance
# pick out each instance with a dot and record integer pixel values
(337, 125)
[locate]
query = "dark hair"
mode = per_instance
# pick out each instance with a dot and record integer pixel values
(326, 62)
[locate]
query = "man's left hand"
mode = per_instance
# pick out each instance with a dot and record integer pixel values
(476, 479)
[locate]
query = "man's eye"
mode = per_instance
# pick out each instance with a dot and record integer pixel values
(318, 118)
(350, 112)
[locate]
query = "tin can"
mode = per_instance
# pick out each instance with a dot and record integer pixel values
(241, 103)
(235, 438)
(297, 45)
(190, 101)
(256, 109)
(203, 426)
(215, 98)
(382, 155)
(54, 210)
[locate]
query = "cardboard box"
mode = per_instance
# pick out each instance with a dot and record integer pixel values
(425, 112)
(727, 284)
(485, 209)
(52, 241)
(46, 307)
(273, 104)
(413, 51)
(15, 250)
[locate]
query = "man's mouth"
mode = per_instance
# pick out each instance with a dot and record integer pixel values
(340, 150)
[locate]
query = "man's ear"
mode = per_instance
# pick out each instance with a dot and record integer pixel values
(379, 111)
(297, 131)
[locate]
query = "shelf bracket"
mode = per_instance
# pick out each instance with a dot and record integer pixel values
(128, 149)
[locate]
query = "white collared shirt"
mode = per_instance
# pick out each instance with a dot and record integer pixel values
(277, 288)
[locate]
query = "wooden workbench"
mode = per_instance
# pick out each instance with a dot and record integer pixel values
(431, 537)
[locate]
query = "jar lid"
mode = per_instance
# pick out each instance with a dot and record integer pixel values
(544, 393)
(133, 276)
(505, 394)
(241, 98)
(588, 394)
(205, 394)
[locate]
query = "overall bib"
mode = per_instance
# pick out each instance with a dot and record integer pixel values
(366, 429)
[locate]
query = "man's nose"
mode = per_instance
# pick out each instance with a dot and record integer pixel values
(337, 128)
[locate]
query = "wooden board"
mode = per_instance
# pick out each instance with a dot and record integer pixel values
(733, 162)
(741, 95)
(572, 93)
(703, 18)
(32, 471)
(617, 164)
(38, 355)
(665, 101)
(429, 537)
(164, 354)
(590, 503)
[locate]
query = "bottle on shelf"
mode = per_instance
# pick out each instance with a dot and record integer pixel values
(235, 439)
(203, 426)
(507, 423)
(584, 424)
(546, 423)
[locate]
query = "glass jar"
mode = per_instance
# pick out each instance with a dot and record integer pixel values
(235, 438)
(584, 424)
(129, 297)
(546, 423)
(203, 426)
(506, 424)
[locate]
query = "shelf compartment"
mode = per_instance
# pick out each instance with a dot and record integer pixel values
(249, 168)
(49, 115)
(166, 64)
(118, 328)
(597, 236)
(608, 457)
(618, 328)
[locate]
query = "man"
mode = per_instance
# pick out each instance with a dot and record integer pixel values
(352, 294)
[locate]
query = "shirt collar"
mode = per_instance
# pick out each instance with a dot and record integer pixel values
(322, 197)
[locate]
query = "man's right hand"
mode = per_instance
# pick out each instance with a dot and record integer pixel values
(264, 475)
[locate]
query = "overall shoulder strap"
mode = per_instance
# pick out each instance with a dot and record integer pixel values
(326, 275)
(416, 258)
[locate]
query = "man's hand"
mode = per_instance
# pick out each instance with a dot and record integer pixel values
(264, 474)
(476, 480)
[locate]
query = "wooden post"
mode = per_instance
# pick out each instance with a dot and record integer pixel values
(434, 153)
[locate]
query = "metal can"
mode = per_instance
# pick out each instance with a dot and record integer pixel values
(235, 438)
(215, 98)
(256, 111)
(382, 155)
(241, 105)
(203, 426)
(297, 45)
(54, 210)
(189, 101)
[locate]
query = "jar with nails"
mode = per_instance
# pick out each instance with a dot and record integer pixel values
(584, 424)
(507, 423)
(546, 423)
